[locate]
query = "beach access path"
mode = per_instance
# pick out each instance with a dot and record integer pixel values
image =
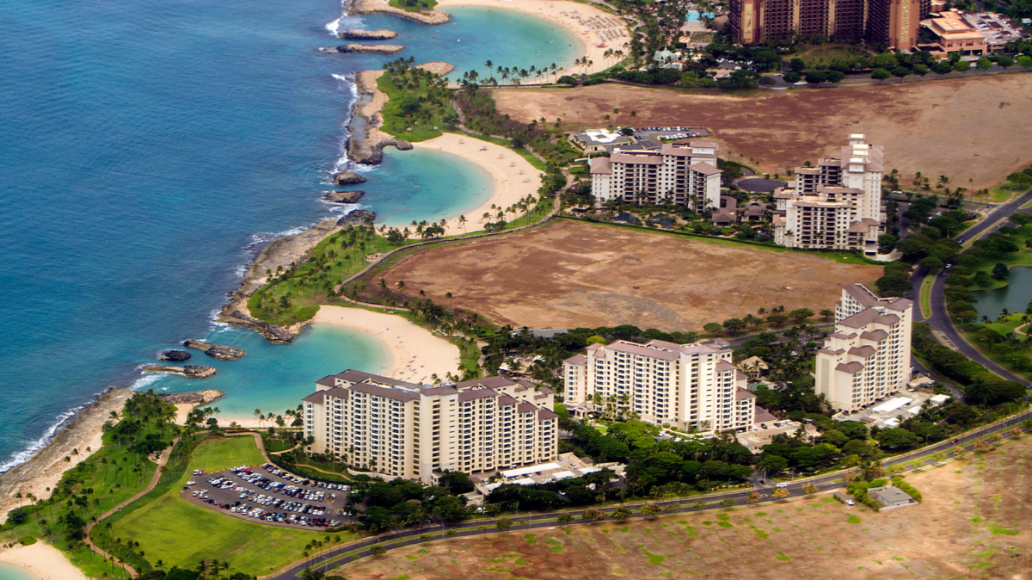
(513, 177)
(414, 352)
(583, 20)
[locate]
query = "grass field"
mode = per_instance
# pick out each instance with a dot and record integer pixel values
(114, 474)
(825, 55)
(569, 274)
(943, 127)
(972, 524)
(180, 533)
(926, 296)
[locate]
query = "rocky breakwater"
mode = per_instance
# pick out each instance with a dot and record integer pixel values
(217, 351)
(343, 196)
(347, 178)
(362, 48)
(282, 252)
(383, 7)
(188, 371)
(367, 34)
(367, 140)
(202, 397)
(174, 356)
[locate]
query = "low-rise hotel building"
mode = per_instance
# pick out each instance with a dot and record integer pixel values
(683, 174)
(868, 355)
(690, 386)
(415, 432)
(835, 205)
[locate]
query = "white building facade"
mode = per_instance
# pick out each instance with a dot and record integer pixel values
(415, 432)
(835, 205)
(688, 386)
(683, 174)
(868, 355)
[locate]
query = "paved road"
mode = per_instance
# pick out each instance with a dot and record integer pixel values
(334, 557)
(942, 327)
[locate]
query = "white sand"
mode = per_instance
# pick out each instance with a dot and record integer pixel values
(553, 11)
(42, 560)
(414, 352)
(513, 176)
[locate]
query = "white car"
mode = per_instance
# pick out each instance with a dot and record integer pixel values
(782, 484)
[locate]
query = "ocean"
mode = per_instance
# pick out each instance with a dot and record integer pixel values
(148, 150)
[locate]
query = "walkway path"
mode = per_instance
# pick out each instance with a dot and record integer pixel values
(162, 460)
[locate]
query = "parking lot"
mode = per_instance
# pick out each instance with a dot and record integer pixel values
(269, 495)
(653, 137)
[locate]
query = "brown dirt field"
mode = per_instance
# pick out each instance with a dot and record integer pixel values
(574, 274)
(961, 530)
(977, 129)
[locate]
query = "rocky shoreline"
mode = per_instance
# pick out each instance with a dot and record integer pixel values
(202, 397)
(216, 351)
(188, 371)
(346, 197)
(362, 48)
(367, 34)
(383, 7)
(45, 469)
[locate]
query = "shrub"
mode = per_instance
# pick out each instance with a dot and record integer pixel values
(906, 488)
(26, 540)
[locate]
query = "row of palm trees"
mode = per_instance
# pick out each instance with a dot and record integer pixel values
(523, 206)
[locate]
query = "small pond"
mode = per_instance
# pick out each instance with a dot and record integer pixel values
(1014, 296)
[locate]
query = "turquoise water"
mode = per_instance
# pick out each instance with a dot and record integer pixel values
(150, 148)
(1015, 296)
(476, 35)
(430, 185)
(274, 377)
(8, 572)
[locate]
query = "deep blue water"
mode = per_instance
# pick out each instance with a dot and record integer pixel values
(148, 146)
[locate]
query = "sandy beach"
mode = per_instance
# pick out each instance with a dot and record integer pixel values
(513, 176)
(414, 353)
(42, 472)
(586, 22)
(43, 561)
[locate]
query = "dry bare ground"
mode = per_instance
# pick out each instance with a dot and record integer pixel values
(574, 274)
(973, 523)
(977, 129)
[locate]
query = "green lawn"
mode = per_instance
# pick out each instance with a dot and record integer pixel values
(413, 5)
(177, 532)
(926, 296)
(1003, 193)
(825, 55)
(416, 110)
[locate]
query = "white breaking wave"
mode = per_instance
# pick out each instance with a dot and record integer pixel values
(343, 161)
(36, 446)
(332, 26)
(146, 380)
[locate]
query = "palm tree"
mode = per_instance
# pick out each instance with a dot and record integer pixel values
(490, 66)
(462, 219)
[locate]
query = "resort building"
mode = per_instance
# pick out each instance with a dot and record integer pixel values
(415, 432)
(834, 205)
(682, 174)
(954, 34)
(690, 386)
(893, 23)
(868, 355)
